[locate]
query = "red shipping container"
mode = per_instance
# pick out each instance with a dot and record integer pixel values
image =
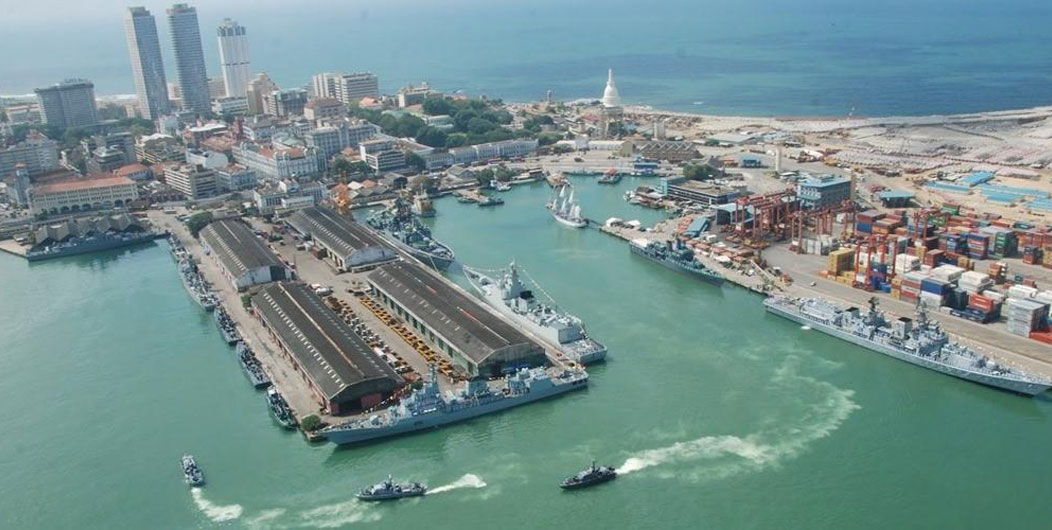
(981, 303)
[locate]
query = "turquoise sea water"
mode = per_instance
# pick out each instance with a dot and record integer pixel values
(720, 416)
(775, 57)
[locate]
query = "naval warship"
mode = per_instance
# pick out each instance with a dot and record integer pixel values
(226, 325)
(398, 225)
(251, 366)
(676, 257)
(389, 490)
(589, 477)
(506, 292)
(918, 341)
(427, 408)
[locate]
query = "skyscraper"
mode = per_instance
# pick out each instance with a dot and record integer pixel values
(144, 48)
(189, 58)
(70, 103)
(233, 57)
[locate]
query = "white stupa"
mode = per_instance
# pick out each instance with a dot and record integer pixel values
(611, 97)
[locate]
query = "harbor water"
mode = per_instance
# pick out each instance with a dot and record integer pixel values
(717, 414)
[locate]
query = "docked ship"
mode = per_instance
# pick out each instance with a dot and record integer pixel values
(676, 257)
(84, 245)
(612, 176)
(390, 490)
(192, 473)
(565, 208)
(398, 225)
(226, 325)
(427, 408)
(422, 206)
(918, 341)
(507, 293)
(251, 366)
(500, 186)
(490, 201)
(195, 284)
(279, 408)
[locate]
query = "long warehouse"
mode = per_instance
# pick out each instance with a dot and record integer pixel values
(342, 371)
(477, 340)
(243, 257)
(346, 243)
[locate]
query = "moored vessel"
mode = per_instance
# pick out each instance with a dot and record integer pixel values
(589, 477)
(279, 408)
(676, 257)
(226, 325)
(398, 225)
(252, 367)
(564, 207)
(506, 292)
(612, 176)
(918, 341)
(389, 490)
(488, 200)
(427, 407)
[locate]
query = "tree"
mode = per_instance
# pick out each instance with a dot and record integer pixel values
(548, 138)
(438, 106)
(198, 222)
(311, 422)
(414, 160)
(480, 126)
(699, 171)
(504, 174)
(431, 136)
(484, 176)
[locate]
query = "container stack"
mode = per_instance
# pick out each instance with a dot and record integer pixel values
(973, 282)
(978, 245)
(1022, 292)
(934, 291)
(1003, 242)
(910, 287)
(998, 272)
(948, 273)
(905, 263)
(1025, 316)
(864, 221)
(933, 258)
(982, 308)
(841, 260)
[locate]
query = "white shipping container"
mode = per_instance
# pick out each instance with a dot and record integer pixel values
(1021, 291)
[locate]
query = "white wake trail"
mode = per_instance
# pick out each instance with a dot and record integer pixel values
(216, 512)
(467, 481)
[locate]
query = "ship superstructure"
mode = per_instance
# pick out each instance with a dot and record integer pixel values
(918, 341)
(427, 407)
(565, 208)
(676, 257)
(505, 290)
(398, 225)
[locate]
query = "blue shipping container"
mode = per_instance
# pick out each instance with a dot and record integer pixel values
(935, 286)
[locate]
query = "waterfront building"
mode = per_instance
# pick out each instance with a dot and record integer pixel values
(324, 108)
(275, 163)
(194, 182)
(822, 191)
(323, 85)
(38, 153)
(415, 95)
(257, 87)
(697, 191)
(482, 152)
(189, 58)
(285, 102)
(382, 155)
(79, 194)
(235, 177)
(70, 103)
(334, 137)
(347, 244)
(244, 259)
(287, 195)
(230, 106)
(233, 58)
(144, 48)
(669, 150)
(342, 372)
(477, 340)
(350, 88)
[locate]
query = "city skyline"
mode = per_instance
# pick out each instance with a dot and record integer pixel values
(144, 50)
(190, 68)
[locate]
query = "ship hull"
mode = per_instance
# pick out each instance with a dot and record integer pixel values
(356, 436)
(570, 222)
(1027, 388)
(495, 302)
(714, 280)
(92, 246)
(438, 262)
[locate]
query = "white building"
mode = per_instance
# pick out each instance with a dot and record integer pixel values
(144, 48)
(80, 194)
(350, 88)
(233, 106)
(288, 194)
(323, 85)
(277, 164)
(189, 58)
(207, 159)
(382, 155)
(335, 137)
(235, 177)
(233, 58)
(195, 182)
(262, 84)
(37, 152)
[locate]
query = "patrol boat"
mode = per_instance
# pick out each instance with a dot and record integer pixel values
(279, 408)
(398, 225)
(191, 472)
(506, 292)
(676, 257)
(426, 407)
(226, 325)
(589, 477)
(251, 366)
(918, 341)
(389, 490)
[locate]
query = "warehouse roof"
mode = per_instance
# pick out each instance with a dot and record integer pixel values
(468, 326)
(237, 247)
(327, 349)
(333, 230)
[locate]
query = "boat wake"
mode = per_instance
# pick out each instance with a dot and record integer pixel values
(467, 481)
(217, 513)
(731, 455)
(339, 514)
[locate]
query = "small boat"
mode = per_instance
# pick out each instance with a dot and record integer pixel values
(611, 177)
(491, 201)
(500, 186)
(226, 325)
(192, 472)
(589, 477)
(279, 408)
(389, 490)
(251, 366)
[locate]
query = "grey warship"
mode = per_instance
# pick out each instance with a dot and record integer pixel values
(390, 490)
(399, 226)
(917, 341)
(507, 293)
(676, 257)
(589, 477)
